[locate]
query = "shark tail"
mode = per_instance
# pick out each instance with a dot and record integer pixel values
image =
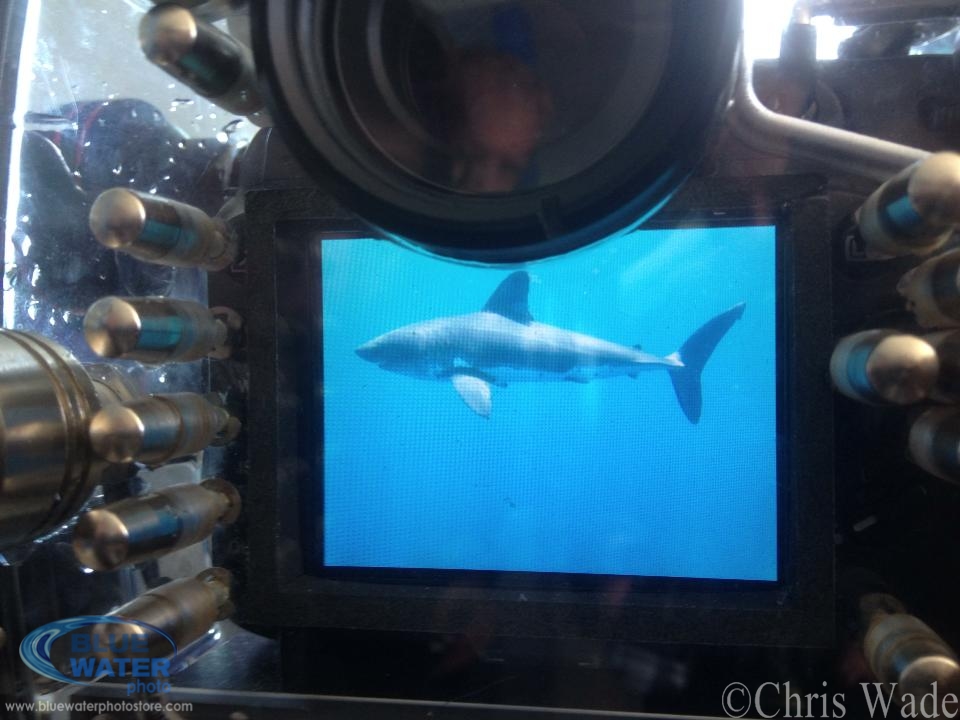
(694, 354)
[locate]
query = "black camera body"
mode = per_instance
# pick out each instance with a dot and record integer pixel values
(285, 473)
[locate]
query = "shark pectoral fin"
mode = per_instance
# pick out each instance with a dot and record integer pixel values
(474, 392)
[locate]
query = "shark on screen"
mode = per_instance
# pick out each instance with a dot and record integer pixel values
(502, 344)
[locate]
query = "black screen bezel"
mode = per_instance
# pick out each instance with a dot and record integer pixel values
(291, 591)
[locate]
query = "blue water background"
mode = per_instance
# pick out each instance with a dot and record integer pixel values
(607, 477)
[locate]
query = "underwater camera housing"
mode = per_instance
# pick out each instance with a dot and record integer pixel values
(290, 582)
(389, 505)
(481, 352)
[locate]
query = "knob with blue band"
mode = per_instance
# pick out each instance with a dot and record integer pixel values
(884, 367)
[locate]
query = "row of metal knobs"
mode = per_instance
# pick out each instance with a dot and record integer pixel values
(112, 424)
(160, 428)
(914, 213)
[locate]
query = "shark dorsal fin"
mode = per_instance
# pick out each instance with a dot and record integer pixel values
(510, 298)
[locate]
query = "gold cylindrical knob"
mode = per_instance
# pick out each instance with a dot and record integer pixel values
(884, 366)
(914, 212)
(137, 529)
(901, 649)
(934, 442)
(159, 330)
(161, 231)
(157, 429)
(932, 291)
(211, 62)
(183, 610)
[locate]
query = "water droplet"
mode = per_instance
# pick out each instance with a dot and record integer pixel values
(117, 170)
(222, 137)
(153, 190)
(26, 244)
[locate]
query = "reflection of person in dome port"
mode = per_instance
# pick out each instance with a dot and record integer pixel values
(499, 110)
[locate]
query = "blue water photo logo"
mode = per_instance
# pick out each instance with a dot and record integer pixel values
(85, 649)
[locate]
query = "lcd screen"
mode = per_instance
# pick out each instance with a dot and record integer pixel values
(609, 412)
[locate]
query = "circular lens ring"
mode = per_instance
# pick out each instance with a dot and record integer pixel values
(613, 195)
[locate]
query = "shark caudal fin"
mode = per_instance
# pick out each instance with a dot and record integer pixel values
(694, 355)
